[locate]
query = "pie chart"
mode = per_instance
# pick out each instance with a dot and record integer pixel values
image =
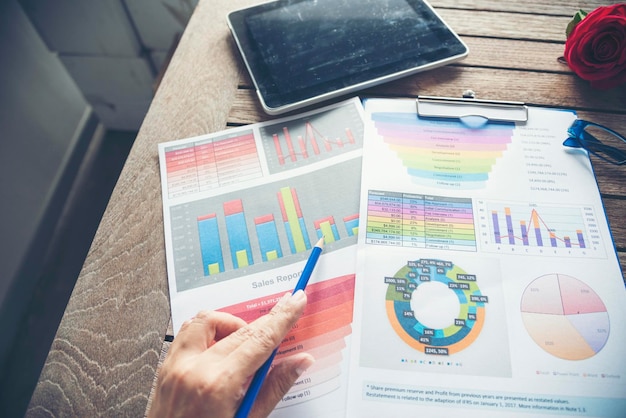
(565, 317)
(435, 306)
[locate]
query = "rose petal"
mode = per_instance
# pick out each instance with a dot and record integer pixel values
(596, 47)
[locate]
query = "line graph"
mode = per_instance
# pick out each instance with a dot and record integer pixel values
(307, 143)
(536, 226)
(310, 140)
(291, 144)
(545, 229)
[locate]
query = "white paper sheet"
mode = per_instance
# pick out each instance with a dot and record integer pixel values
(487, 283)
(242, 209)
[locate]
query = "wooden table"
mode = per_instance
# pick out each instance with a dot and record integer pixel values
(116, 326)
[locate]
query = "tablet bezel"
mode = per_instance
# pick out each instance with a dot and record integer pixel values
(274, 103)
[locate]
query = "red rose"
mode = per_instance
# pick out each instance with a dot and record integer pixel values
(596, 47)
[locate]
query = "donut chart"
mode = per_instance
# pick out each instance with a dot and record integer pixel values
(412, 320)
(565, 317)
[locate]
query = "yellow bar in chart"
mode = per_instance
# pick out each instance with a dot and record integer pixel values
(242, 258)
(292, 219)
(327, 232)
(214, 268)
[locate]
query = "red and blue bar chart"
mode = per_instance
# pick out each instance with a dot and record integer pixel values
(222, 237)
(291, 144)
(560, 229)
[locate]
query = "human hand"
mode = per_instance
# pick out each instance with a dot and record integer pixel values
(214, 356)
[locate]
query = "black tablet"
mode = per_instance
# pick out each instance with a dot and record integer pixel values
(300, 52)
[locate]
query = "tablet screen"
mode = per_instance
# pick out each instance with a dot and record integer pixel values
(299, 52)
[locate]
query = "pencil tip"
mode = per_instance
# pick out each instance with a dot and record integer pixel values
(320, 243)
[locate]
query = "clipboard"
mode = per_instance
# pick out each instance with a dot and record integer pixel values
(505, 206)
(473, 112)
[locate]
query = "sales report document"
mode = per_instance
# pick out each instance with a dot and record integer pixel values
(487, 283)
(242, 210)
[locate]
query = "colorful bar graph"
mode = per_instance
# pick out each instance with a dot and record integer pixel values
(352, 224)
(509, 225)
(305, 143)
(268, 237)
(292, 153)
(210, 245)
(544, 234)
(524, 232)
(326, 228)
(552, 239)
(279, 151)
(534, 218)
(297, 234)
(350, 136)
(247, 237)
(581, 238)
(239, 240)
(496, 225)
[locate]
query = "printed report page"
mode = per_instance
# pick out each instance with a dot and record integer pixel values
(243, 209)
(487, 283)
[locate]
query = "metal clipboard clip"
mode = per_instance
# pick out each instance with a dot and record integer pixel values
(474, 113)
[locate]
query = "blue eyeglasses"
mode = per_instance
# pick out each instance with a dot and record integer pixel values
(584, 134)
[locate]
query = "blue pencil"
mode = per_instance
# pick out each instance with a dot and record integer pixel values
(259, 376)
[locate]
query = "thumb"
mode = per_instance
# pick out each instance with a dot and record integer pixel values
(279, 380)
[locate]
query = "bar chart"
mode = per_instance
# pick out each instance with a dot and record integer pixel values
(558, 229)
(275, 224)
(295, 143)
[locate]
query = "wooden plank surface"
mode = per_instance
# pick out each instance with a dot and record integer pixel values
(107, 350)
(554, 8)
(105, 354)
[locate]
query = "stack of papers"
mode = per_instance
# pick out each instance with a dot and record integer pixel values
(464, 269)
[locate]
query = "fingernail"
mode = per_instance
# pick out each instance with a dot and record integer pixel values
(298, 296)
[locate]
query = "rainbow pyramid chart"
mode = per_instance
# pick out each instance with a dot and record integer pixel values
(565, 317)
(444, 153)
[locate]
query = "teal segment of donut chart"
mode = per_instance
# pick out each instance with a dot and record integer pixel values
(435, 306)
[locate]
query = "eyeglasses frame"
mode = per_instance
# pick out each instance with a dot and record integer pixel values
(580, 138)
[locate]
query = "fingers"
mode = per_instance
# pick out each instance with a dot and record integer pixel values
(200, 332)
(280, 379)
(250, 346)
